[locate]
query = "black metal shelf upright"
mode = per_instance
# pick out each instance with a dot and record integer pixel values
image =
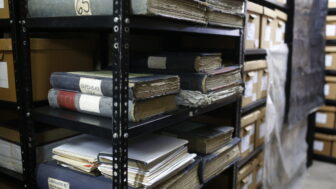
(118, 130)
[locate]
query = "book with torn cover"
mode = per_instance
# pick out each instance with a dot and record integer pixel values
(212, 81)
(190, 10)
(141, 86)
(172, 62)
(203, 138)
(198, 99)
(102, 106)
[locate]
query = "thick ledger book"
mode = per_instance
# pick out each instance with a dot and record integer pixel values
(186, 179)
(177, 62)
(203, 138)
(52, 176)
(235, 7)
(198, 99)
(141, 86)
(224, 19)
(217, 162)
(212, 81)
(81, 153)
(153, 159)
(102, 106)
(190, 10)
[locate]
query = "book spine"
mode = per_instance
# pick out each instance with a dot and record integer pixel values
(50, 175)
(164, 63)
(52, 8)
(90, 104)
(193, 82)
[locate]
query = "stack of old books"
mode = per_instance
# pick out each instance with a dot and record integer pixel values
(204, 80)
(80, 154)
(91, 92)
(228, 13)
(213, 143)
(154, 161)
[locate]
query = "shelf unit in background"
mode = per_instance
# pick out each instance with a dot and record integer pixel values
(118, 130)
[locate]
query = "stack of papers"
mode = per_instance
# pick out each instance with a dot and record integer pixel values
(153, 159)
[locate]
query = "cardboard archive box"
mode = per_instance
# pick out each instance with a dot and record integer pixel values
(246, 176)
(325, 117)
(330, 58)
(331, 27)
(323, 144)
(259, 170)
(280, 29)
(330, 88)
(268, 26)
(253, 21)
(4, 9)
(332, 4)
(261, 128)
(247, 133)
(47, 56)
(253, 77)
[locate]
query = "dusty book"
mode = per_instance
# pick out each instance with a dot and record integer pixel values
(218, 161)
(212, 81)
(172, 62)
(141, 86)
(190, 10)
(102, 106)
(198, 99)
(203, 138)
(234, 7)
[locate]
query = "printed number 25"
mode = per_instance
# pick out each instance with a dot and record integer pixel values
(83, 7)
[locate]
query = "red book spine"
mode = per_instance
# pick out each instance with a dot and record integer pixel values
(66, 100)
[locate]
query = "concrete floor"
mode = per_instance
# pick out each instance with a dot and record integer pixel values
(320, 176)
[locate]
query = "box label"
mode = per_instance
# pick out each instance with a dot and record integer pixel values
(264, 83)
(245, 143)
(83, 7)
(262, 130)
(328, 60)
(279, 35)
(255, 77)
(321, 118)
(330, 30)
(250, 34)
(326, 89)
(268, 33)
(4, 75)
(89, 103)
(256, 43)
(57, 184)
(2, 4)
(318, 145)
(155, 62)
(248, 88)
(90, 86)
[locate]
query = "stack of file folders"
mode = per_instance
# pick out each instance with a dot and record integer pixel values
(204, 80)
(155, 161)
(91, 93)
(214, 144)
(228, 13)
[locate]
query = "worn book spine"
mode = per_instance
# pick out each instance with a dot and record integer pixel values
(90, 104)
(166, 63)
(194, 82)
(51, 175)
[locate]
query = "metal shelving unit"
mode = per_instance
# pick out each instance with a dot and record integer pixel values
(247, 159)
(119, 130)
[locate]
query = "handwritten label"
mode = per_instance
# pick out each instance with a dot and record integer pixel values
(4, 75)
(155, 62)
(268, 33)
(264, 83)
(330, 30)
(90, 86)
(2, 4)
(89, 103)
(250, 31)
(83, 7)
(279, 35)
(326, 89)
(248, 88)
(318, 145)
(328, 60)
(321, 118)
(57, 184)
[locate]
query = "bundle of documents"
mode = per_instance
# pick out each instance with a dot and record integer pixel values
(91, 93)
(153, 159)
(203, 138)
(81, 153)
